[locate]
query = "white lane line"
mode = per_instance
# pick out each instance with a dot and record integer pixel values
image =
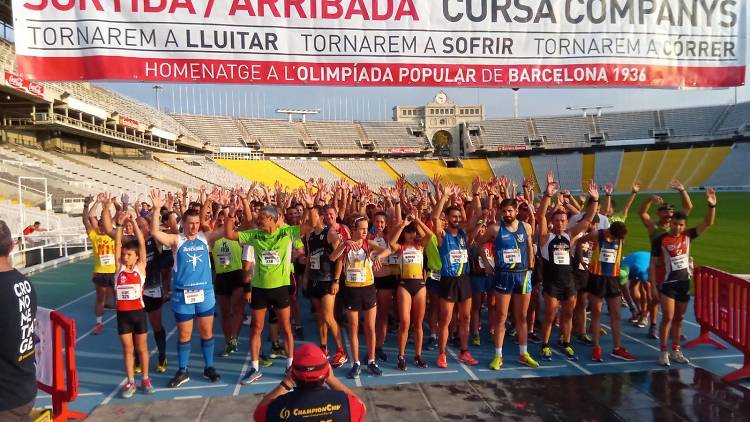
(76, 300)
(47, 396)
(111, 395)
(345, 335)
(192, 387)
(572, 363)
(187, 397)
(471, 373)
(524, 368)
(87, 333)
(245, 366)
(405, 374)
(717, 357)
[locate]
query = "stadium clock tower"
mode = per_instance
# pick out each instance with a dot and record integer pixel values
(441, 120)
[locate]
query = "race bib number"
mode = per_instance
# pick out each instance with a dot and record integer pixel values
(512, 256)
(166, 247)
(459, 257)
(679, 262)
(393, 259)
(270, 258)
(106, 260)
(153, 292)
(435, 275)
(355, 275)
(194, 296)
(315, 262)
(608, 256)
(412, 258)
(225, 259)
(128, 292)
(561, 257)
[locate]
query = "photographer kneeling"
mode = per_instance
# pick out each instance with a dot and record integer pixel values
(302, 394)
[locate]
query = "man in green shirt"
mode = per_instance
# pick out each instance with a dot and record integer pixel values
(272, 244)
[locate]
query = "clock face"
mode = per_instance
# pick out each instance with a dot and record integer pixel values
(441, 98)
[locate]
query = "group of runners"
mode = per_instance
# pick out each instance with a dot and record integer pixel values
(429, 254)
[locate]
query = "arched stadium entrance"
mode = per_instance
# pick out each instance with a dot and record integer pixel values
(442, 141)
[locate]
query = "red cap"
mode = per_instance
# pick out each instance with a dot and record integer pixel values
(310, 364)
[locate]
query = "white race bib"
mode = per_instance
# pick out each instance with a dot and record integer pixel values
(106, 260)
(154, 292)
(561, 257)
(194, 296)
(355, 275)
(166, 247)
(512, 256)
(608, 256)
(412, 257)
(435, 275)
(393, 259)
(586, 260)
(225, 259)
(128, 292)
(679, 262)
(270, 258)
(315, 262)
(460, 256)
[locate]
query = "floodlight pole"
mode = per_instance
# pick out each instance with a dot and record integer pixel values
(156, 89)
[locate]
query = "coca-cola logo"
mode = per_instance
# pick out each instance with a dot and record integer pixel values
(35, 88)
(14, 80)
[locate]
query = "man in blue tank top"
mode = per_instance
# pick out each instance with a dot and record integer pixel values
(455, 284)
(514, 259)
(193, 293)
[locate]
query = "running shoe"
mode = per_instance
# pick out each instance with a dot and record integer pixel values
(180, 378)
(247, 320)
(339, 359)
(431, 343)
(228, 350)
(419, 362)
(476, 340)
(596, 354)
(137, 368)
(664, 358)
(374, 370)
(497, 363)
(512, 332)
(161, 367)
(467, 359)
(621, 353)
(211, 375)
(147, 387)
(547, 353)
(584, 339)
(354, 372)
(380, 354)
(277, 352)
(127, 390)
(602, 331)
(677, 356)
(299, 334)
(652, 332)
(534, 338)
(570, 353)
(635, 318)
(251, 376)
(98, 329)
(264, 362)
(442, 361)
(643, 322)
(401, 362)
(527, 360)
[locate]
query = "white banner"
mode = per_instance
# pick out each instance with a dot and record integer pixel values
(44, 350)
(483, 43)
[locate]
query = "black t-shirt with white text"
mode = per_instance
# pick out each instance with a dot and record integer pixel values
(17, 316)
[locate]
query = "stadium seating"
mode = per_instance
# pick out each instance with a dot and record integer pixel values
(409, 169)
(503, 132)
(307, 169)
(387, 135)
(627, 126)
(562, 130)
(57, 222)
(216, 130)
(566, 167)
(733, 171)
(368, 171)
(336, 136)
(607, 167)
(203, 168)
(158, 170)
(263, 171)
(736, 119)
(692, 121)
(509, 167)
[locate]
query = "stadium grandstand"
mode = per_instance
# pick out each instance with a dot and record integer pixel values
(63, 141)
